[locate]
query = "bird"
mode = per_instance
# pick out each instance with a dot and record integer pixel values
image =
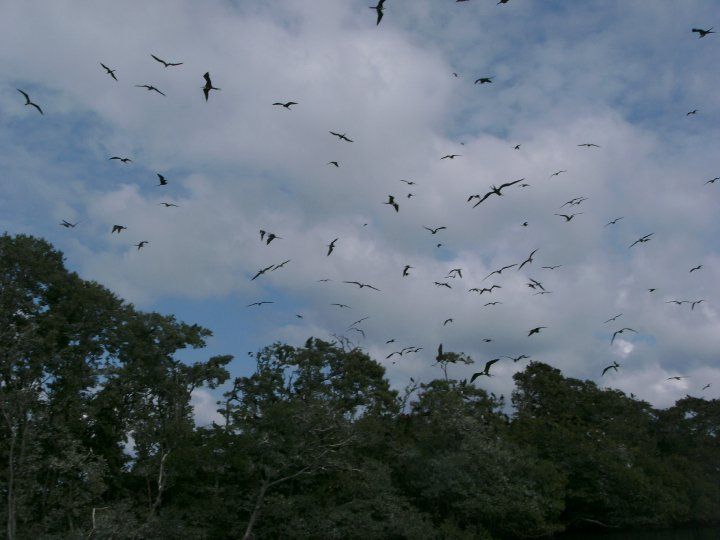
(517, 146)
(693, 304)
(484, 80)
(28, 102)
(517, 358)
(450, 156)
(678, 302)
(536, 330)
(166, 64)
(694, 269)
(391, 202)
(525, 224)
(492, 304)
(341, 306)
(341, 136)
(141, 244)
(713, 180)
(455, 272)
(362, 285)
(620, 332)
(286, 105)
(390, 341)
(334, 163)
(408, 182)
(568, 218)
(208, 85)
(614, 366)
(528, 260)
(440, 354)
(123, 159)
(448, 321)
(574, 202)
(691, 113)
(150, 88)
(613, 318)
(262, 271)
(500, 271)
(708, 385)
(331, 246)
(652, 290)
(442, 284)
(542, 292)
(642, 240)
(676, 378)
(494, 191)
(161, 179)
(271, 237)
(485, 289)
(702, 33)
(502, 2)
(259, 303)
(534, 283)
(379, 9)
(278, 266)
(435, 230)
(486, 371)
(589, 145)
(557, 173)
(169, 205)
(552, 267)
(109, 71)
(68, 224)
(406, 270)
(613, 222)
(299, 316)
(118, 229)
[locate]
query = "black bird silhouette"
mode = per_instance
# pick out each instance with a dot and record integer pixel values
(109, 71)
(118, 229)
(484, 290)
(517, 146)
(535, 283)
(262, 271)
(161, 179)
(379, 9)
(713, 180)
(169, 205)
(166, 64)
(494, 191)
(676, 378)
(286, 105)
(141, 244)
(150, 88)
(486, 371)
(652, 290)
(613, 318)
(678, 302)
(278, 266)
(484, 80)
(271, 237)
(259, 303)
(450, 156)
(642, 240)
(620, 332)
(557, 173)
(331, 246)
(706, 386)
(362, 285)
(69, 225)
(391, 202)
(568, 218)
(434, 231)
(341, 306)
(691, 113)
(589, 145)
(334, 163)
(552, 267)
(448, 321)
(123, 159)
(341, 136)
(613, 222)
(614, 366)
(208, 85)
(500, 271)
(502, 2)
(536, 330)
(693, 304)
(28, 102)
(406, 270)
(455, 272)
(574, 202)
(698, 267)
(408, 182)
(517, 358)
(492, 304)
(702, 33)
(528, 260)
(442, 284)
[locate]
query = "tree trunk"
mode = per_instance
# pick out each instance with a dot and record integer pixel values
(256, 511)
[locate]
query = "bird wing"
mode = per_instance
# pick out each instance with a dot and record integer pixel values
(483, 198)
(207, 78)
(508, 184)
(476, 375)
(163, 62)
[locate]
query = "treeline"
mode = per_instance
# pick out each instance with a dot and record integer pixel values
(97, 438)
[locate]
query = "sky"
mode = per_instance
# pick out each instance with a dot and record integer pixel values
(619, 74)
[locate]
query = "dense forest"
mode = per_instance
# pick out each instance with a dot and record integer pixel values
(98, 439)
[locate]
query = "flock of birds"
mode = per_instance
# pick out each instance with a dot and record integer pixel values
(456, 273)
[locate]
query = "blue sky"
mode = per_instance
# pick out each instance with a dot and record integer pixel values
(620, 74)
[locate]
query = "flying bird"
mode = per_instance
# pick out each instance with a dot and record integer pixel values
(484, 290)
(528, 260)
(613, 222)
(494, 191)
(69, 225)
(517, 146)
(455, 272)
(708, 385)
(150, 88)
(450, 156)
(613, 318)
(568, 218)
(379, 9)
(391, 202)
(642, 240)
(28, 102)
(208, 85)
(262, 271)
(331, 246)
(168, 205)
(259, 303)
(486, 371)
(492, 304)
(166, 64)
(702, 33)
(161, 179)
(552, 267)
(118, 229)
(281, 265)
(676, 378)
(614, 366)
(442, 284)
(341, 306)
(484, 80)
(341, 136)
(334, 163)
(123, 159)
(678, 302)
(141, 244)
(693, 304)
(589, 145)
(271, 237)
(434, 231)
(620, 332)
(406, 270)
(500, 271)
(448, 321)
(691, 113)
(557, 173)
(536, 330)
(408, 182)
(712, 181)
(518, 358)
(698, 267)
(362, 285)
(286, 105)
(109, 71)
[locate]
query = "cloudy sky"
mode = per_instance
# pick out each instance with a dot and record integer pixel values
(618, 74)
